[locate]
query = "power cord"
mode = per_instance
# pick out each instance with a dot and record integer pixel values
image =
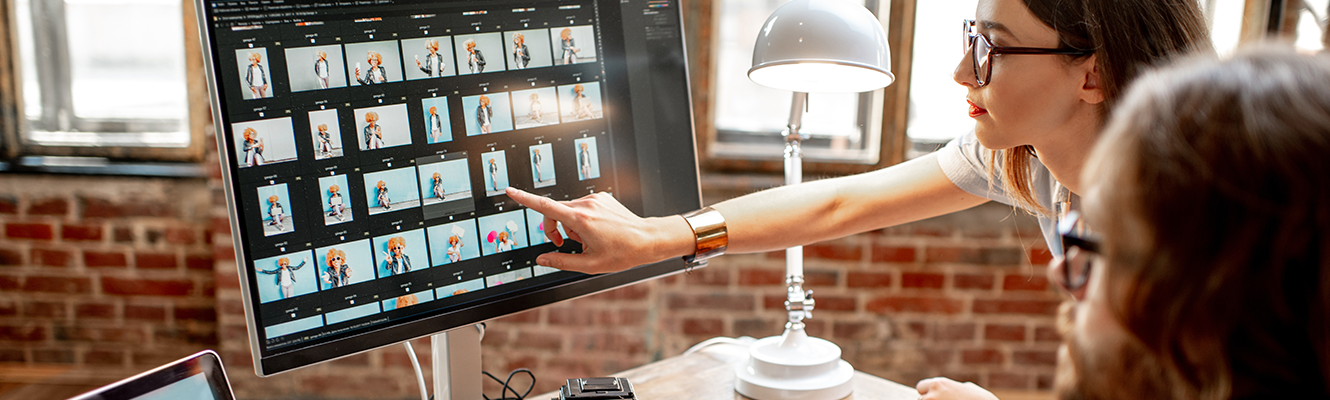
(507, 387)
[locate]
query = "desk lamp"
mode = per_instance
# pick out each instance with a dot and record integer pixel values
(809, 46)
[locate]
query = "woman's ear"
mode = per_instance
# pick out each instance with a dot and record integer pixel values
(1092, 88)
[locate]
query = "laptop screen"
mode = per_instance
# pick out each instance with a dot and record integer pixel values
(197, 377)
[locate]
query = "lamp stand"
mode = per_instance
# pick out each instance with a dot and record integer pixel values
(793, 366)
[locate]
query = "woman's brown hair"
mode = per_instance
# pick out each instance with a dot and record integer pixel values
(1212, 192)
(1127, 37)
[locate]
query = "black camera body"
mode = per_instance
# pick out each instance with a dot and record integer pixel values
(597, 389)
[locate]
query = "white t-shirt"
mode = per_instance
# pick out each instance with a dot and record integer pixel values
(965, 162)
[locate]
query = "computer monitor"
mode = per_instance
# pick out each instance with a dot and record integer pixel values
(366, 145)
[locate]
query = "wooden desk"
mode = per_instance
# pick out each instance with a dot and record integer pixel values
(709, 374)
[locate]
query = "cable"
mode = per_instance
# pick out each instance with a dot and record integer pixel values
(506, 388)
(741, 341)
(420, 377)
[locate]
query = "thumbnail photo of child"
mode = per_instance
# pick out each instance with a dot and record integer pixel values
(450, 243)
(495, 168)
(391, 190)
(444, 181)
(373, 63)
(345, 264)
(285, 276)
(526, 49)
(264, 142)
(503, 232)
(383, 126)
(400, 253)
(542, 165)
(255, 78)
(337, 207)
(487, 113)
(315, 68)
(479, 53)
(588, 161)
(574, 45)
(437, 125)
(430, 57)
(327, 134)
(580, 101)
(275, 201)
(535, 107)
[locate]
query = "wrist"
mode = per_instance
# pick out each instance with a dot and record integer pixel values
(710, 235)
(673, 237)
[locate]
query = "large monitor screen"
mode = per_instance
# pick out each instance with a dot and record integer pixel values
(367, 144)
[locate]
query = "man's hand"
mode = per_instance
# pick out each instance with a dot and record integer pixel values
(946, 389)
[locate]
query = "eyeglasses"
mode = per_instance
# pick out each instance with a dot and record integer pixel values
(1079, 253)
(981, 51)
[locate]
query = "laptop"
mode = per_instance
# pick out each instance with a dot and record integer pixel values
(197, 377)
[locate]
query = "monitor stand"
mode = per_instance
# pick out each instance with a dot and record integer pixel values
(456, 358)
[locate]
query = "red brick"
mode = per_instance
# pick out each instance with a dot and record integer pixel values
(146, 287)
(570, 316)
(147, 209)
(98, 208)
(8, 205)
(1040, 256)
(44, 309)
(81, 232)
(199, 262)
(93, 310)
(893, 254)
(1043, 382)
(97, 259)
(1003, 380)
(758, 277)
(29, 231)
(892, 304)
(156, 261)
(820, 278)
(104, 357)
(124, 235)
(984, 256)
(710, 302)
(854, 330)
(827, 251)
(57, 285)
(235, 308)
(223, 252)
(1025, 282)
(868, 280)
(12, 355)
(708, 277)
(919, 329)
(10, 257)
(1046, 334)
(1007, 333)
(1032, 307)
(703, 326)
(220, 225)
(9, 283)
(28, 333)
(972, 281)
(940, 358)
(541, 340)
(922, 280)
(49, 258)
(954, 332)
(1049, 358)
(981, 356)
(100, 335)
(145, 313)
(49, 207)
(834, 303)
(53, 356)
(755, 327)
(8, 309)
(180, 236)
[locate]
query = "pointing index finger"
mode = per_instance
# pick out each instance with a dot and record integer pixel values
(544, 205)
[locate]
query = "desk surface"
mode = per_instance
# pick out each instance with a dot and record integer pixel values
(709, 374)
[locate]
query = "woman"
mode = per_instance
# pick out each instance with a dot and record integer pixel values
(484, 114)
(276, 212)
(397, 261)
(569, 48)
(454, 248)
(433, 65)
(373, 132)
(321, 69)
(494, 175)
(325, 141)
(384, 201)
(535, 161)
(474, 59)
(437, 178)
(376, 74)
(583, 162)
(581, 106)
(337, 274)
(534, 115)
(521, 57)
(254, 75)
(286, 276)
(435, 125)
(252, 147)
(1037, 117)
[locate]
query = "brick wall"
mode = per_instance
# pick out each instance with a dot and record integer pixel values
(116, 275)
(104, 274)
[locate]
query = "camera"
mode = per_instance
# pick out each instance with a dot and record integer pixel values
(596, 389)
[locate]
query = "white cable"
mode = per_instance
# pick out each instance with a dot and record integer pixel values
(741, 341)
(420, 377)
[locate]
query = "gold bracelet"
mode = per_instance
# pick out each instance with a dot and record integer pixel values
(709, 230)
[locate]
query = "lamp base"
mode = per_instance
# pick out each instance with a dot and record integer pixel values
(793, 366)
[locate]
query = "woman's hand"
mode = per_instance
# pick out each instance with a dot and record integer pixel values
(613, 238)
(944, 389)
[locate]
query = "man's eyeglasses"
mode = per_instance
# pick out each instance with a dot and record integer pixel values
(982, 50)
(1079, 253)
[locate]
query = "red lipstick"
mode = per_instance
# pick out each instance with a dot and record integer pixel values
(975, 111)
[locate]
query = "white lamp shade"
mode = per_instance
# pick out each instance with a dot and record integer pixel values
(829, 46)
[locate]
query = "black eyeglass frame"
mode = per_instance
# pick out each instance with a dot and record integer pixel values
(1073, 234)
(971, 34)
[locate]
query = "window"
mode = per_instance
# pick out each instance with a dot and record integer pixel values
(105, 78)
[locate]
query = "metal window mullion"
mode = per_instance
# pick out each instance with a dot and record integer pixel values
(51, 50)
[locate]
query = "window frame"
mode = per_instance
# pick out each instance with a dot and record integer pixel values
(14, 143)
